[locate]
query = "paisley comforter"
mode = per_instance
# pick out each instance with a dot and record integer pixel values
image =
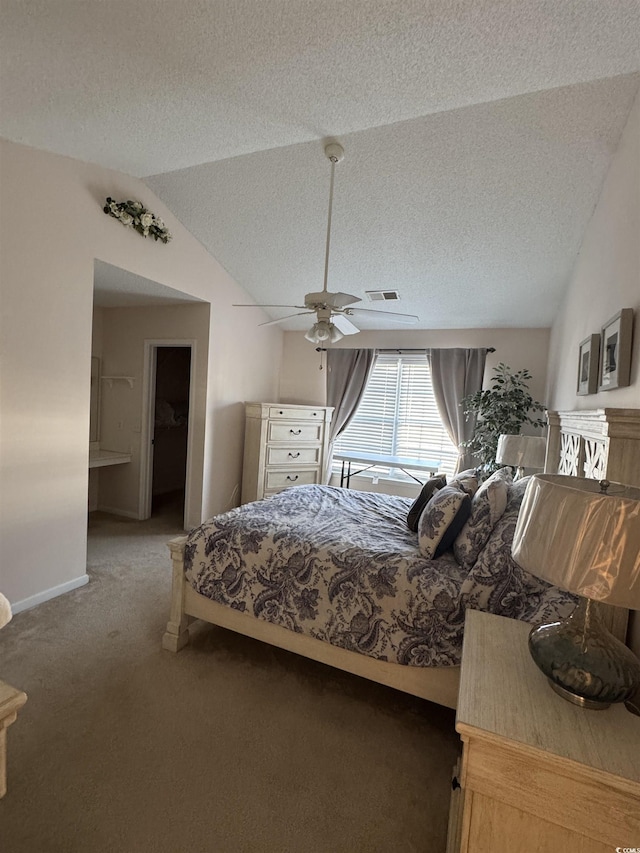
(342, 566)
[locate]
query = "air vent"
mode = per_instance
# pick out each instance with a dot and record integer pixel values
(382, 295)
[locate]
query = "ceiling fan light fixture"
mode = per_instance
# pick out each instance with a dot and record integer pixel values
(323, 331)
(336, 334)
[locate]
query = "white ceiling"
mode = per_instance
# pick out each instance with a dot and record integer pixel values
(477, 133)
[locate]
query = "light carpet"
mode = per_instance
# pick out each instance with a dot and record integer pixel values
(228, 746)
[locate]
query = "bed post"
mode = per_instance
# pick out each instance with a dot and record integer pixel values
(177, 635)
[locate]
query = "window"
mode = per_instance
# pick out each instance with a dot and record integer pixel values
(398, 415)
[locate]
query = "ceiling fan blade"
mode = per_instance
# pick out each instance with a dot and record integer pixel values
(344, 325)
(390, 315)
(288, 317)
(333, 300)
(341, 300)
(268, 306)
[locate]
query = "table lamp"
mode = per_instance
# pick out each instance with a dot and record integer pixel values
(583, 536)
(521, 451)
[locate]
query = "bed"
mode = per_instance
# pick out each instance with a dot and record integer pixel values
(335, 575)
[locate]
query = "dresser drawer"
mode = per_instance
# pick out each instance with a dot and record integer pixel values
(294, 432)
(282, 479)
(294, 414)
(285, 456)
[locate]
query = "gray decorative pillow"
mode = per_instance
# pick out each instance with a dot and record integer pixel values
(467, 481)
(442, 520)
(487, 508)
(428, 490)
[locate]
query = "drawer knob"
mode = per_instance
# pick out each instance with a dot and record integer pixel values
(295, 431)
(293, 479)
(294, 455)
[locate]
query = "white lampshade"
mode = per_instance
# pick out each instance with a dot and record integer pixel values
(581, 539)
(521, 451)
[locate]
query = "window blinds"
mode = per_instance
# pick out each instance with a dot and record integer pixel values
(398, 414)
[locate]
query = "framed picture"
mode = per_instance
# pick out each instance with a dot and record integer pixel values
(588, 362)
(615, 351)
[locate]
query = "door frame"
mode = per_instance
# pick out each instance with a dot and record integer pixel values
(151, 346)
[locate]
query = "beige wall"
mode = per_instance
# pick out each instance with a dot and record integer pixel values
(301, 380)
(52, 228)
(124, 332)
(606, 278)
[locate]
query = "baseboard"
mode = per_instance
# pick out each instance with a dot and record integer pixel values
(124, 512)
(45, 595)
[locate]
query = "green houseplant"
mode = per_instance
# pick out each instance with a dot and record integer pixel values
(502, 408)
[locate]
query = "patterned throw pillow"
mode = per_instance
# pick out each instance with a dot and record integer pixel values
(467, 481)
(496, 583)
(428, 490)
(487, 508)
(442, 520)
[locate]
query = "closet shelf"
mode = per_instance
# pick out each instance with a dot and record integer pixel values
(111, 379)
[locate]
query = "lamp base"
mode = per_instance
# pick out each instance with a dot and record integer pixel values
(584, 663)
(575, 699)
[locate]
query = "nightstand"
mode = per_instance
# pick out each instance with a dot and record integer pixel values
(539, 775)
(11, 700)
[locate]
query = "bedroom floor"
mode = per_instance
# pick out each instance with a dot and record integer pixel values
(229, 746)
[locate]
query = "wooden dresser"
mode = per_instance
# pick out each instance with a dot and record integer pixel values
(284, 445)
(539, 775)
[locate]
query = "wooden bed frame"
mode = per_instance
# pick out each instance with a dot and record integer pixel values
(576, 430)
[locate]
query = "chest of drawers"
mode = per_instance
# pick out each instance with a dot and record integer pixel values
(284, 445)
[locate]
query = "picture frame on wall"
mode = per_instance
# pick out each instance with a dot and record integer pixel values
(615, 351)
(588, 363)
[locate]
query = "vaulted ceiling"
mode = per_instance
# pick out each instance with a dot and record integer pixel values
(477, 134)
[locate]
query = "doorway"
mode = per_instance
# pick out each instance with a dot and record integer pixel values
(168, 376)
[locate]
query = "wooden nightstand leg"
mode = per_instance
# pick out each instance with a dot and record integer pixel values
(3, 762)
(11, 700)
(456, 808)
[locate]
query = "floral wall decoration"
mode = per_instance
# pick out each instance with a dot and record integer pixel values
(134, 215)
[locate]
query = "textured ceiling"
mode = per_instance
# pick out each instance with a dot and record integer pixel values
(477, 133)
(475, 216)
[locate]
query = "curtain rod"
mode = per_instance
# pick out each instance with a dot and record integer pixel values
(324, 349)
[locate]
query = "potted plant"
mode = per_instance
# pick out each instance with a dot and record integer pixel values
(501, 409)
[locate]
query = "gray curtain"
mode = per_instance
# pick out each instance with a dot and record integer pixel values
(455, 373)
(348, 371)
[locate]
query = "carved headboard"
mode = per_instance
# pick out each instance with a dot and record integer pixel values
(596, 443)
(601, 444)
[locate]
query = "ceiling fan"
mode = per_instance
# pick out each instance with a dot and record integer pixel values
(333, 310)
